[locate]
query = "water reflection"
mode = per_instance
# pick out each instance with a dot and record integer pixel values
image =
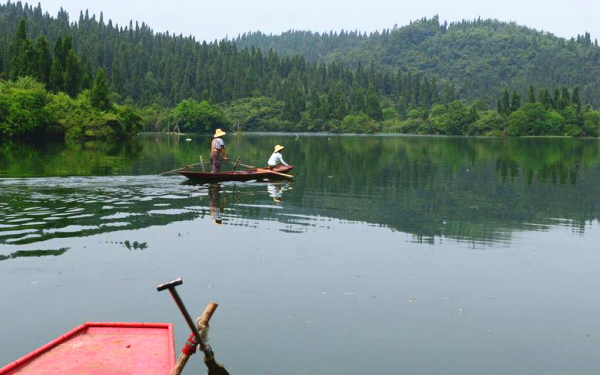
(34, 253)
(466, 189)
(275, 190)
(216, 203)
(36, 210)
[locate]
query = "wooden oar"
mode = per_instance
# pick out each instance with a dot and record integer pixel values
(179, 169)
(265, 170)
(237, 162)
(274, 172)
(243, 165)
(202, 325)
(209, 356)
(202, 163)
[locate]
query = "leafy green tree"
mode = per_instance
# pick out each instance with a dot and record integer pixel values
(42, 61)
(361, 123)
(56, 79)
(374, 106)
(489, 123)
(199, 117)
(573, 121)
(531, 95)
(294, 97)
(72, 74)
(130, 121)
(515, 102)
(547, 99)
(575, 100)
(534, 119)
(255, 114)
(99, 94)
(565, 98)
(22, 107)
(457, 118)
(591, 123)
(504, 103)
(20, 62)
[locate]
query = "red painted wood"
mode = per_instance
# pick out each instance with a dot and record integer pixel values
(113, 348)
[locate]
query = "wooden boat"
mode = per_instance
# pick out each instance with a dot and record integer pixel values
(102, 349)
(241, 175)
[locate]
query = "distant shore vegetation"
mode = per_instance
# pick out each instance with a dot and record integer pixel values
(66, 81)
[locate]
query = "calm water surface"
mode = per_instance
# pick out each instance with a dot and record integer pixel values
(386, 254)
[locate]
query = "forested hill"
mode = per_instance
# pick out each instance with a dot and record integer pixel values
(468, 78)
(481, 57)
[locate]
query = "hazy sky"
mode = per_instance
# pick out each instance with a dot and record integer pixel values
(210, 20)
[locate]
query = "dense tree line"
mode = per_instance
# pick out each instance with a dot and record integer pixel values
(479, 57)
(178, 82)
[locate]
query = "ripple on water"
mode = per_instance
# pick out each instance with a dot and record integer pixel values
(22, 238)
(119, 215)
(20, 220)
(71, 229)
(168, 212)
(39, 209)
(9, 233)
(115, 224)
(52, 218)
(81, 216)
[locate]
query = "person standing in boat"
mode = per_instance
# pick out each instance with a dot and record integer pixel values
(276, 160)
(217, 151)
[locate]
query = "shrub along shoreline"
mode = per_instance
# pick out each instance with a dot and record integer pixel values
(27, 110)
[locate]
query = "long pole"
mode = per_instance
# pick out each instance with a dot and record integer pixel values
(178, 169)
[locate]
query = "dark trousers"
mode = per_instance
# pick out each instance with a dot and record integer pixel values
(215, 162)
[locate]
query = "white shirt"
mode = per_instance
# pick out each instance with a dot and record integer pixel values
(276, 159)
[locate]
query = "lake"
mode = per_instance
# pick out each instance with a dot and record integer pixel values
(385, 254)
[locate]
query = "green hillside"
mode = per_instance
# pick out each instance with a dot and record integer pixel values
(93, 78)
(480, 57)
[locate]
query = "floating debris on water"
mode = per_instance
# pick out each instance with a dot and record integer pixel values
(135, 245)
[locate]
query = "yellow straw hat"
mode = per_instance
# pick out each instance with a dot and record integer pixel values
(278, 148)
(219, 133)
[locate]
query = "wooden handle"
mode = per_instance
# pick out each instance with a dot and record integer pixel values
(202, 324)
(180, 364)
(184, 167)
(243, 165)
(169, 285)
(202, 321)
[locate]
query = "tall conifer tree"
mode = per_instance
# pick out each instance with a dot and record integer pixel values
(99, 94)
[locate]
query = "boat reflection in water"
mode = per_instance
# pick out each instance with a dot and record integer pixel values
(245, 201)
(216, 203)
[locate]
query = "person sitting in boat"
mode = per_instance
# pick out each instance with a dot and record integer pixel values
(276, 160)
(217, 151)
